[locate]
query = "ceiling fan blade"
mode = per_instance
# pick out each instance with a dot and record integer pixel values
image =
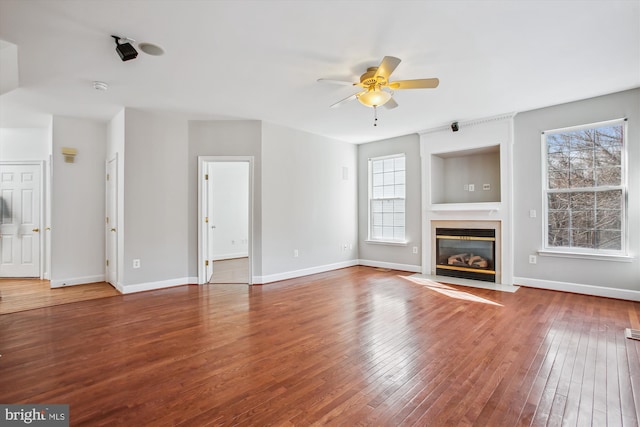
(415, 84)
(337, 82)
(390, 104)
(386, 67)
(347, 99)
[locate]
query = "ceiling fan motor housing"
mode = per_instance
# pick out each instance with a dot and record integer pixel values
(369, 78)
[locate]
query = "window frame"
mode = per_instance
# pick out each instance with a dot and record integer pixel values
(370, 199)
(576, 251)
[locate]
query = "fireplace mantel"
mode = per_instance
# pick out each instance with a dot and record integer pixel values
(470, 207)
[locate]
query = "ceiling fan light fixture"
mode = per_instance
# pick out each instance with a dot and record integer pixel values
(374, 97)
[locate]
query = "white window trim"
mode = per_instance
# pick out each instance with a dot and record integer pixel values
(586, 253)
(369, 239)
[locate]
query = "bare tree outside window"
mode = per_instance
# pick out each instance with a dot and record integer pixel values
(585, 192)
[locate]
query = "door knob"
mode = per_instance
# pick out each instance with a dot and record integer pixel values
(35, 230)
(113, 229)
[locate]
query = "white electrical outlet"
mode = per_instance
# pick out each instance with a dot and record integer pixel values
(486, 187)
(296, 253)
(532, 213)
(472, 187)
(415, 249)
(136, 263)
(465, 187)
(533, 259)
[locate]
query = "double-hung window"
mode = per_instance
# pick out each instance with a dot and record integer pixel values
(585, 188)
(387, 199)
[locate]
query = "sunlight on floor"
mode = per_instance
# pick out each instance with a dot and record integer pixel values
(448, 290)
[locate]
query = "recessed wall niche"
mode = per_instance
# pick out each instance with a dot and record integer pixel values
(466, 176)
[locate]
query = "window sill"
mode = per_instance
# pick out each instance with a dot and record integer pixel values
(579, 255)
(387, 242)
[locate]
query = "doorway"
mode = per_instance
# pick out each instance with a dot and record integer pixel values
(20, 219)
(225, 203)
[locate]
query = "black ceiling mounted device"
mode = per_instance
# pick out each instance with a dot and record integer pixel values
(126, 51)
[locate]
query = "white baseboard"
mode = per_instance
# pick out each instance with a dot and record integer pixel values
(391, 265)
(59, 283)
(149, 286)
(257, 280)
(577, 288)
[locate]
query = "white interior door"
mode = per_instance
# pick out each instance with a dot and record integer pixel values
(20, 188)
(111, 222)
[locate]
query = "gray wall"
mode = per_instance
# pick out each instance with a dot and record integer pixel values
(527, 167)
(373, 253)
(478, 169)
(155, 199)
(223, 138)
(77, 199)
(309, 205)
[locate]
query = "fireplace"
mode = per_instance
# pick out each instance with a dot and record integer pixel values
(467, 253)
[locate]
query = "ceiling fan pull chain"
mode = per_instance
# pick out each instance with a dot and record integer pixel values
(375, 115)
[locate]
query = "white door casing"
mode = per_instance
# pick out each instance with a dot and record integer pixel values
(111, 222)
(205, 209)
(20, 227)
(207, 212)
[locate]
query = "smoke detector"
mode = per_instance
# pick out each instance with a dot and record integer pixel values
(101, 86)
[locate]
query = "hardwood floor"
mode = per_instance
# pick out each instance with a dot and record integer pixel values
(27, 294)
(234, 270)
(356, 346)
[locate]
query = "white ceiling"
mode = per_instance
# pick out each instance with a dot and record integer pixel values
(261, 59)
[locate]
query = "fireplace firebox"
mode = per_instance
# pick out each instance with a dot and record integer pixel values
(467, 253)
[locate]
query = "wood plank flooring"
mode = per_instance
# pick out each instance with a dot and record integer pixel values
(356, 346)
(234, 270)
(28, 294)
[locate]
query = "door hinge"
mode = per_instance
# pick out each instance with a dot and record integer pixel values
(206, 177)
(206, 219)
(206, 263)
(107, 177)
(107, 220)
(107, 263)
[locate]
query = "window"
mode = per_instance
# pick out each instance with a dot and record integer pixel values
(387, 198)
(585, 189)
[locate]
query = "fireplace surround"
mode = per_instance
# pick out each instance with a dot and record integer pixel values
(467, 183)
(475, 238)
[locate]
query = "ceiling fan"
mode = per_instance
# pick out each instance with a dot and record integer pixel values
(378, 90)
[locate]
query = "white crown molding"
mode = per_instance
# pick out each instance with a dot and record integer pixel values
(468, 123)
